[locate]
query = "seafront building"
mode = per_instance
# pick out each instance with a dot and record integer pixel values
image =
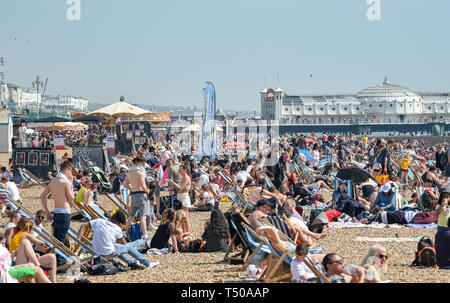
(384, 103)
(20, 99)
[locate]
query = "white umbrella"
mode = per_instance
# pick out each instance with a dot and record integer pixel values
(192, 128)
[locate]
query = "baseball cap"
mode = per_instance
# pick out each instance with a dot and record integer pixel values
(386, 187)
(342, 182)
(191, 158)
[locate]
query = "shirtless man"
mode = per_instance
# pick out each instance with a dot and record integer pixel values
(137, 185)
(62, 192)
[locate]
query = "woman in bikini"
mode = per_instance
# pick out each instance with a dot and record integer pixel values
(183, 192)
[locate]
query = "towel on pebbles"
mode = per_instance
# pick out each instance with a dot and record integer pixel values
(367, 239)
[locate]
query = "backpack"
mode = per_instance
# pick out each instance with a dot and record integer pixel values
(425, 254)
(135, 232)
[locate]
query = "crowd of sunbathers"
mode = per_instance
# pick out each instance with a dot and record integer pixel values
(303, 170)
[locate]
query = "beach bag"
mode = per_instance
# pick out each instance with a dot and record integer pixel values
(425, 218)
(191, 246)
(425, 254)
(405, 163)
(382, 179)
(103, 269)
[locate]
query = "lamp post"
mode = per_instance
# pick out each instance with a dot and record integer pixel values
(38, 84)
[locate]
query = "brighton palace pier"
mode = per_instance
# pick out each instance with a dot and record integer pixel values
(385, 108)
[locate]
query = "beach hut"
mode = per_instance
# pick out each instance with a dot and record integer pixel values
(6, 131)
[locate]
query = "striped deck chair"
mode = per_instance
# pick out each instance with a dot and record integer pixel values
(268, 182)
(348, 188)
(395, 190)
(4, 194)
(308, 179)
(94, 211)
(258, 246)
(324, 161)
(235, 220)
(284, 256)
(280, 224)
(420, 192)
(34, 178)
(231, 195)
(55, 245)
(244, 203)
(226, 178)
(117, 201)
(27, 181)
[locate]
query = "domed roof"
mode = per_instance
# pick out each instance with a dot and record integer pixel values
(388, 92)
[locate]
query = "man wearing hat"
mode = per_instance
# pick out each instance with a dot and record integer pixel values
(385, 199)
(263, 208)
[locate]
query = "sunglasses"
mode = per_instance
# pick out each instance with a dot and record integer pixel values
(383, 256)
(41, 217)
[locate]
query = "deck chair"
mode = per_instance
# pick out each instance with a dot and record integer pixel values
(420, 192)
(27, 181)
(34, 178)
(227, 179)
(349, 188)
(55, 245)
(280, 224)
(278, 257)
(245, 203)
(257, 243)
(94, 211)
(307, 178)
(268, 183)
(235, 220)
(117, 201)
(231, 195)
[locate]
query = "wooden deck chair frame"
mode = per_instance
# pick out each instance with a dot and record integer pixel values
(117, 201)
(258, 246)
(280, 257)
(281, 224)
(247, 205)
(55, 245)
(35, 179)
(27, 181)
(247, 246)
(420, 191)
(307, 178)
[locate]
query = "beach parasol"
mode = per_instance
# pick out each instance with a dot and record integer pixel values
(192, 128)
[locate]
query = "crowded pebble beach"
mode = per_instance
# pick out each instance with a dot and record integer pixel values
(209, 267)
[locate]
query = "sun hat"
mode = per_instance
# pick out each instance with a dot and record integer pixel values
(386, 187)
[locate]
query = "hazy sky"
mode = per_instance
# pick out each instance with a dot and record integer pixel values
(162, 52)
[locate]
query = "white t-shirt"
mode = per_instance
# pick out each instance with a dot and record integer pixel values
(5, 265)
(14, 190)
(299, 269)
(105, 236)
(243, 175)
(208, 198)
